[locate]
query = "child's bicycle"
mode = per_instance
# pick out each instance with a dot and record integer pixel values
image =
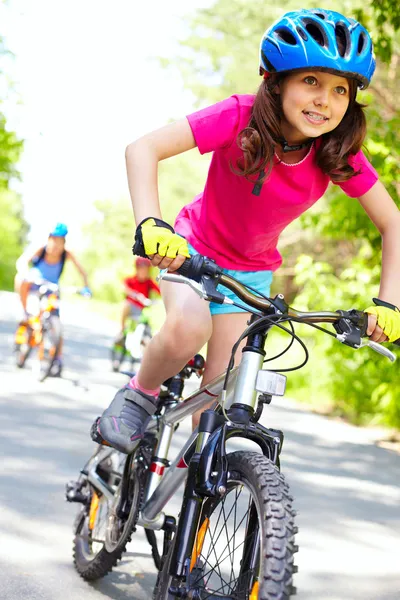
(234, 539)
(130, 346)
(41, 331)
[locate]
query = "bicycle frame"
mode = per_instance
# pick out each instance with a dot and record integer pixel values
(161, 486)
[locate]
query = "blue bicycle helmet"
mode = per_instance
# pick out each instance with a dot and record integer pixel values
(318, 38)
(60, 230)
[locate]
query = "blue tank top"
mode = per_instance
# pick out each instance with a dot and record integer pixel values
(49, 272)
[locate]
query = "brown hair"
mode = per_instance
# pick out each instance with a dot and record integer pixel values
(258, 139)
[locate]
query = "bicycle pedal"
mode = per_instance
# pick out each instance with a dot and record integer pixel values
(73, 492)
(178, 592)
(96, 436)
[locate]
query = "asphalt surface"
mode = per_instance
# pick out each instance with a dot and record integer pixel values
(347, 490)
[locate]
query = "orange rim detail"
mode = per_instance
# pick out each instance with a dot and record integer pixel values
(94, 507)
(198, 544)
(254, 591)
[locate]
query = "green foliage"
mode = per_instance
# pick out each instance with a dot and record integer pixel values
(361, 384)
(12, 235)
(12, 225)
(10, 150)
(383, 16)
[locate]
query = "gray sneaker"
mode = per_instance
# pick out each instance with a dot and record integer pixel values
(123, 423)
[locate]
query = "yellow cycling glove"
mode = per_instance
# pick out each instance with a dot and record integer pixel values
(154, 236)
(388, 317)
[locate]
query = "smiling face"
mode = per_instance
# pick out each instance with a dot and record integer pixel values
(313, 103)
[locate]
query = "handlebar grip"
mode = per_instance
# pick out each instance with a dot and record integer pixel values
(197, 266)
(138, 248)
(184, 269)
(364, 324)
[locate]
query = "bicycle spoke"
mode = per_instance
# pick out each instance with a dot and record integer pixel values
(222, 558)
(230, 553)
(225, 558)
(226, 529)
(234, 533)
(217, 564)
(213, 543)
(214, 592)
(231, 585)
(222, 528)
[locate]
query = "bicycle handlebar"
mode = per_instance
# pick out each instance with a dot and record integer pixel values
(195, 269)
(351, 325)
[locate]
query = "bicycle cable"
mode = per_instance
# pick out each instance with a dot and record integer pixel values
(274, 320)
(250, 309)
(285, 350)
(253, 329)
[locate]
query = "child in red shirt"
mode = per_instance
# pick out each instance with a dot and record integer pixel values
(137, 289)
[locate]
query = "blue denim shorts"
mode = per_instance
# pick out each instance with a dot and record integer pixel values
(259, 280)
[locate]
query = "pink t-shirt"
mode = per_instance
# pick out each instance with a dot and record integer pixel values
(230, 224)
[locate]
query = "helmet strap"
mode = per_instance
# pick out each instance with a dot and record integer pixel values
(288, 148)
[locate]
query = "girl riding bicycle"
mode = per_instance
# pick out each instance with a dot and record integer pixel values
(274, 154)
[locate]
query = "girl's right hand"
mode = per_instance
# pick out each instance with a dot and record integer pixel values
(157, 240)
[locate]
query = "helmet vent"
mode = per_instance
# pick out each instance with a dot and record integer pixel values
(320, 15)
(342, 40)
(286, 36)
(316, 32)
(302, 33)
(361, 43)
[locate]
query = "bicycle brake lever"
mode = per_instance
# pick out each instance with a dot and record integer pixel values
(365, 342)
(196, 287)
(379, 348)
(205, 289)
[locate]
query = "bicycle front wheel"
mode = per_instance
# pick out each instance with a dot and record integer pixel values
(48, 347)
(118, 353)
(103, 527)
(244, 545)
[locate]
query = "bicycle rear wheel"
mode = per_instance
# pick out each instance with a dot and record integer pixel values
(244, 545)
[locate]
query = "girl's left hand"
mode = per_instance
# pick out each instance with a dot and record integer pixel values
(374, 332)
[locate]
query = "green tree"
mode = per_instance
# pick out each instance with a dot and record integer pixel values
(12, 225)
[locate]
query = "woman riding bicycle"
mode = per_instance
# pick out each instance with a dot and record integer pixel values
(46, 264)
(274, 155)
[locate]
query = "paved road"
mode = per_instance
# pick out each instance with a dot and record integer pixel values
(347, 490)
